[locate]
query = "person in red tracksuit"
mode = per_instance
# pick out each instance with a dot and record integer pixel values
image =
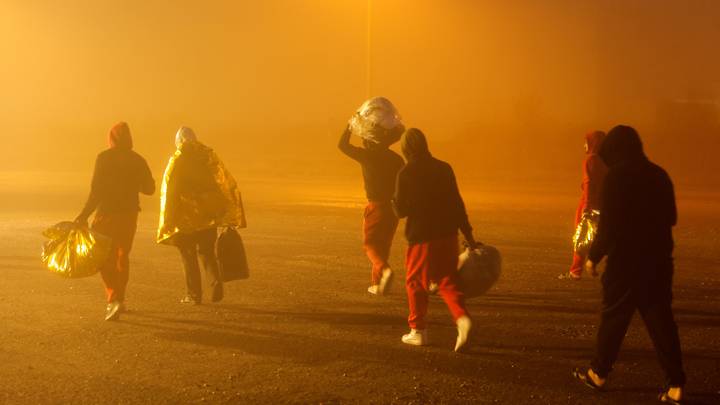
(594, 171)
(427, 195)
(119, 175)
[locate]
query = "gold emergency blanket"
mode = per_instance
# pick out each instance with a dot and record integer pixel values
(73, 250)
(585, 232)
(197, 193)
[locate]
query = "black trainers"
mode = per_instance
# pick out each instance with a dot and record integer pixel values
(585, 378)
(112, 311)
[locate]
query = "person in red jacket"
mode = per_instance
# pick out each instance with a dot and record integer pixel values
(594, 171)
(120, 174)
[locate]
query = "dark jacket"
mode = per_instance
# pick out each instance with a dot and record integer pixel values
(637, 207)
(380, 167)
(118, 178)
(427, 194)
(638, 213)
(119, 175)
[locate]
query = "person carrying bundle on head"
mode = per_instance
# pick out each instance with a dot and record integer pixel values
(379, 125)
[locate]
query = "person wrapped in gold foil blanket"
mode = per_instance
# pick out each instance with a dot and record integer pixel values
(198, 195)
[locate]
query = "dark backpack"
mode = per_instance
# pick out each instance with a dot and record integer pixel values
(232, 261)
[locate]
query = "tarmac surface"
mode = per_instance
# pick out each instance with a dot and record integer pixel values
(303, 329)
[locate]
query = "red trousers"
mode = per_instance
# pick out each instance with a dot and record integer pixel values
(120, 227)
(578, 261)
(379, 225)
(433, 261)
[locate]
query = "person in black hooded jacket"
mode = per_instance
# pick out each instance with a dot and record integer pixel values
(428, 196)
(635, 233)
(119, 175)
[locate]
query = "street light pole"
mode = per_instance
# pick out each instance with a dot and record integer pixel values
(368, 56)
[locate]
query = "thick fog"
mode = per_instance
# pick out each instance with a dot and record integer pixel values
(503, 90)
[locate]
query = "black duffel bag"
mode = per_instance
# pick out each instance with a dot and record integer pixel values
(232, 260)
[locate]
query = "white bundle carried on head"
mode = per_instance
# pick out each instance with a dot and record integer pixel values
(377, 120)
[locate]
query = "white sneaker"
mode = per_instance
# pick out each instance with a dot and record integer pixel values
(385, 281)
(416, 337)
(373, 289)
(463, 326)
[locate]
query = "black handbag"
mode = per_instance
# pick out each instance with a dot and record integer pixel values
(232, 260)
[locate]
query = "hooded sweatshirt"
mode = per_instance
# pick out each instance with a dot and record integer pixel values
(119, 175)
(594, 171)
(427, 194)
(638, 208)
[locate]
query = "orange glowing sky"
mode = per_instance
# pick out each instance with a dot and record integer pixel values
(501, 88)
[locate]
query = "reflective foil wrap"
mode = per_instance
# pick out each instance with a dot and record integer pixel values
(585, 232)
(378, 121)
(74, 251)
(197, 193)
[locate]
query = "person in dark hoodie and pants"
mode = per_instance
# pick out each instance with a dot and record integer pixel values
(635, 233)
(119, 175)
(427, 195)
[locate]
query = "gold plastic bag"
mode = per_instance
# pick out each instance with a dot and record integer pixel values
(585, 232)
(73, 250)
